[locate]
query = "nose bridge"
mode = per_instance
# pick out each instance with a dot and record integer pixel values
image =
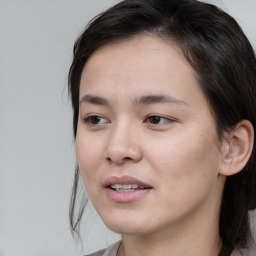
(122, 144)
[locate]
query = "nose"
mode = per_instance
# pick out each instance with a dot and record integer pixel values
(123, 145)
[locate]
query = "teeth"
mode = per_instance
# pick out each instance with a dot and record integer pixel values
(125, 187)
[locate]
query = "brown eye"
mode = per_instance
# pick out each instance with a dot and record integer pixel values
(158, 120)
(154, 119)
(94, 120)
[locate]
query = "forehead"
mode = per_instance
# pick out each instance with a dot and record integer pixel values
(142, 52)
(141, 65)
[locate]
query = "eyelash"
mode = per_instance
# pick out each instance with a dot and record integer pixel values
(156, 120)
(89, 119)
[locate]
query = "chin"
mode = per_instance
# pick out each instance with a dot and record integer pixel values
(127, 229)
(125, 224)
(128, 224)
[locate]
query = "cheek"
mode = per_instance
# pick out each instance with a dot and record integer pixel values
(190, 159)
(88, 154)
(186, 171)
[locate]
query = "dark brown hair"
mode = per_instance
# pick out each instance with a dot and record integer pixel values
(225, 64)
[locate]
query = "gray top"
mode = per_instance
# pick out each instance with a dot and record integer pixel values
(110, 251)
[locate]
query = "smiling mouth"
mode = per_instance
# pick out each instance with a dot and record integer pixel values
(126, 187)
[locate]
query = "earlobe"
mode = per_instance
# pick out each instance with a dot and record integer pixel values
(237, 148)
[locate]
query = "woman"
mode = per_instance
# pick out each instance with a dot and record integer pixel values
(163, 94)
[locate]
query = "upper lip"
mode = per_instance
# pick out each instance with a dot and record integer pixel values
(124, 180)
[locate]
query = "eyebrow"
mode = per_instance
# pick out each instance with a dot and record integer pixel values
(144, 100)
(154, 99)
(94, 100)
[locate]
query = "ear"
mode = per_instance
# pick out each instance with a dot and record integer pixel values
(236, 148)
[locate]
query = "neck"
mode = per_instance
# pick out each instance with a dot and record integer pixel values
(132, 246)
(172, 244)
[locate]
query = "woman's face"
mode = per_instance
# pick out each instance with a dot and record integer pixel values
(146, 141)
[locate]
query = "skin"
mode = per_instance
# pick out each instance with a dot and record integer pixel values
(178, 153)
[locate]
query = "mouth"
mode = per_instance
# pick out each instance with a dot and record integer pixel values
(126, 188)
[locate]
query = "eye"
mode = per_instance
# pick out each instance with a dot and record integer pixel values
(158, 120)
(95, 120)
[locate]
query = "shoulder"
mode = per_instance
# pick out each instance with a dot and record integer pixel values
(110, 251)
(244, 252)
(98, 253)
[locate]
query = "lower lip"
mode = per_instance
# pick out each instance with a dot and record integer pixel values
(124, 197)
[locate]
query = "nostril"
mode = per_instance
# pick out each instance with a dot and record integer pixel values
(121, 153)
(109, 159)
(126, 159)
(118, 161)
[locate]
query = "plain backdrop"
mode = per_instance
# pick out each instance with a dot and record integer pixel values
(36, 147)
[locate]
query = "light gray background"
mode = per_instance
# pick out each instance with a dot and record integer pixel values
(36, 148)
